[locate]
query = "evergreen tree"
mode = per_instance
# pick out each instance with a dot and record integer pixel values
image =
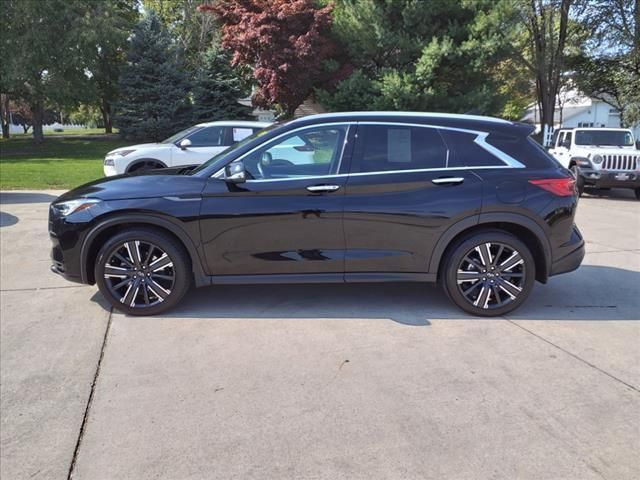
(216, 90)
(153, 87)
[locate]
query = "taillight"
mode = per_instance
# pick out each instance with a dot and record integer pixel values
(562, 187)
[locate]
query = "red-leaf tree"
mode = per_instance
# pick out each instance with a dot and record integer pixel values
(285, 42)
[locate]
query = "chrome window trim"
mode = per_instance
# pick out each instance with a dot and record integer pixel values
(220, 173)
(480, 140)
(384, 172)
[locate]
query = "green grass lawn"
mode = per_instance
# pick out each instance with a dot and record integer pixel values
(57, 163)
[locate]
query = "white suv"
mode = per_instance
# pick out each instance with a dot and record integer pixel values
(192, 146)
(599, 157)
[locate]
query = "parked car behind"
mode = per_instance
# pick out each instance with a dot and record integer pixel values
(599, 157)
(191, 146)
(470, 202)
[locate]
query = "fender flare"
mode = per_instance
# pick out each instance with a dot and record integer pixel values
(200, 278)
(142, 160)
(488, 218)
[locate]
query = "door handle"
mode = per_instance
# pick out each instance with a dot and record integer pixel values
(323, 188)
(448, 180)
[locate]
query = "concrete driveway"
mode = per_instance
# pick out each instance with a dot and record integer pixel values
(296, 382)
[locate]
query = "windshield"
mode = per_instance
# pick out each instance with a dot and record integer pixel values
(183, 133)
(619, 138)
(235, 146)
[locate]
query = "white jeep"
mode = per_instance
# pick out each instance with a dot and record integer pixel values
(599, 157)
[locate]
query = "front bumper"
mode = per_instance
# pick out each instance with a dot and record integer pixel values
(110, 170)
(610, 179)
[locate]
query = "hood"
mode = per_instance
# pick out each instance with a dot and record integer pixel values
(140, 146)
(123, 187)
(607, 150)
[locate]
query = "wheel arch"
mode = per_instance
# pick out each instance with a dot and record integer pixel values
(140, 161)
(108, 227)
(525, 229)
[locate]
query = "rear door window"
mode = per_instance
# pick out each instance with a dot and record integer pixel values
(381, 148)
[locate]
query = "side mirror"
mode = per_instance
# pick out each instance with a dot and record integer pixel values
(184, 144)
(235, 173)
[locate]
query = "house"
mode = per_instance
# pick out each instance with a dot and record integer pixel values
(575, 110)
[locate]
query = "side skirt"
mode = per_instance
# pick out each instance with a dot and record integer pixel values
(360, 277)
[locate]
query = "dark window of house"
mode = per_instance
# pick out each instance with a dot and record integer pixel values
(383, 148)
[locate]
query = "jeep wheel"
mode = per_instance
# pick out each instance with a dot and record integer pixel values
(637, 190)
(579, 180)
(489, 274)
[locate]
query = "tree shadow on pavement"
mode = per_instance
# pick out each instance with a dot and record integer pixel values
(7, 198)
(590, 293)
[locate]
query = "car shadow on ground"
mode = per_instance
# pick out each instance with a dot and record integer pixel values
(624, 194)
(7, 198)
(6, 219)
(590, 293)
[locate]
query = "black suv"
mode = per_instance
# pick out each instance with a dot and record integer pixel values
(471, 202)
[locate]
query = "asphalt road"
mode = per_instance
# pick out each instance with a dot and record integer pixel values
(310, 382)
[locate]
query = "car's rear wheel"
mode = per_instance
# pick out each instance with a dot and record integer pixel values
(489, 273)
(142, 271)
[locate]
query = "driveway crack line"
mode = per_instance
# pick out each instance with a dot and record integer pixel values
(87, 410)
(632, 387)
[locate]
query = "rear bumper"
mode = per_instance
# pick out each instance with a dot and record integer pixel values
(609, 179)
(571, 255)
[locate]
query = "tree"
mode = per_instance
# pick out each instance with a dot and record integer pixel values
(216, 90)
(153, 90)
(114, 22)
(543, 50)
(285, 42)
(608, 67)
(194, 30)
(447, 57)
(4, 114)
(43, 53)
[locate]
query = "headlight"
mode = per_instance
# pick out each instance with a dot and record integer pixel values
(597, 158)
(109, 162)
(72, 206)
(122, 153)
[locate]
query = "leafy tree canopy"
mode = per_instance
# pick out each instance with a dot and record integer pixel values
(285, 42)
(153, 89)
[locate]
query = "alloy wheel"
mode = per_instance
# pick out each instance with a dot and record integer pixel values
(491, 275)
(139, 274)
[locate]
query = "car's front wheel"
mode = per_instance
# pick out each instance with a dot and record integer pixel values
(489, 273)
(142, 271)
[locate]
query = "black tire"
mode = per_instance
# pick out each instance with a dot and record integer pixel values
(637, 192)
(125, 274)
(579, 180)
(145, 166)
(508, 285)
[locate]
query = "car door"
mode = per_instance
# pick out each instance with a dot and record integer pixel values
(205, 143)
(400, 198)
(562, 147)
(286, 219)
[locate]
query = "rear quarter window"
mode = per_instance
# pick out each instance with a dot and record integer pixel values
(524, 149)
(465, 152)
